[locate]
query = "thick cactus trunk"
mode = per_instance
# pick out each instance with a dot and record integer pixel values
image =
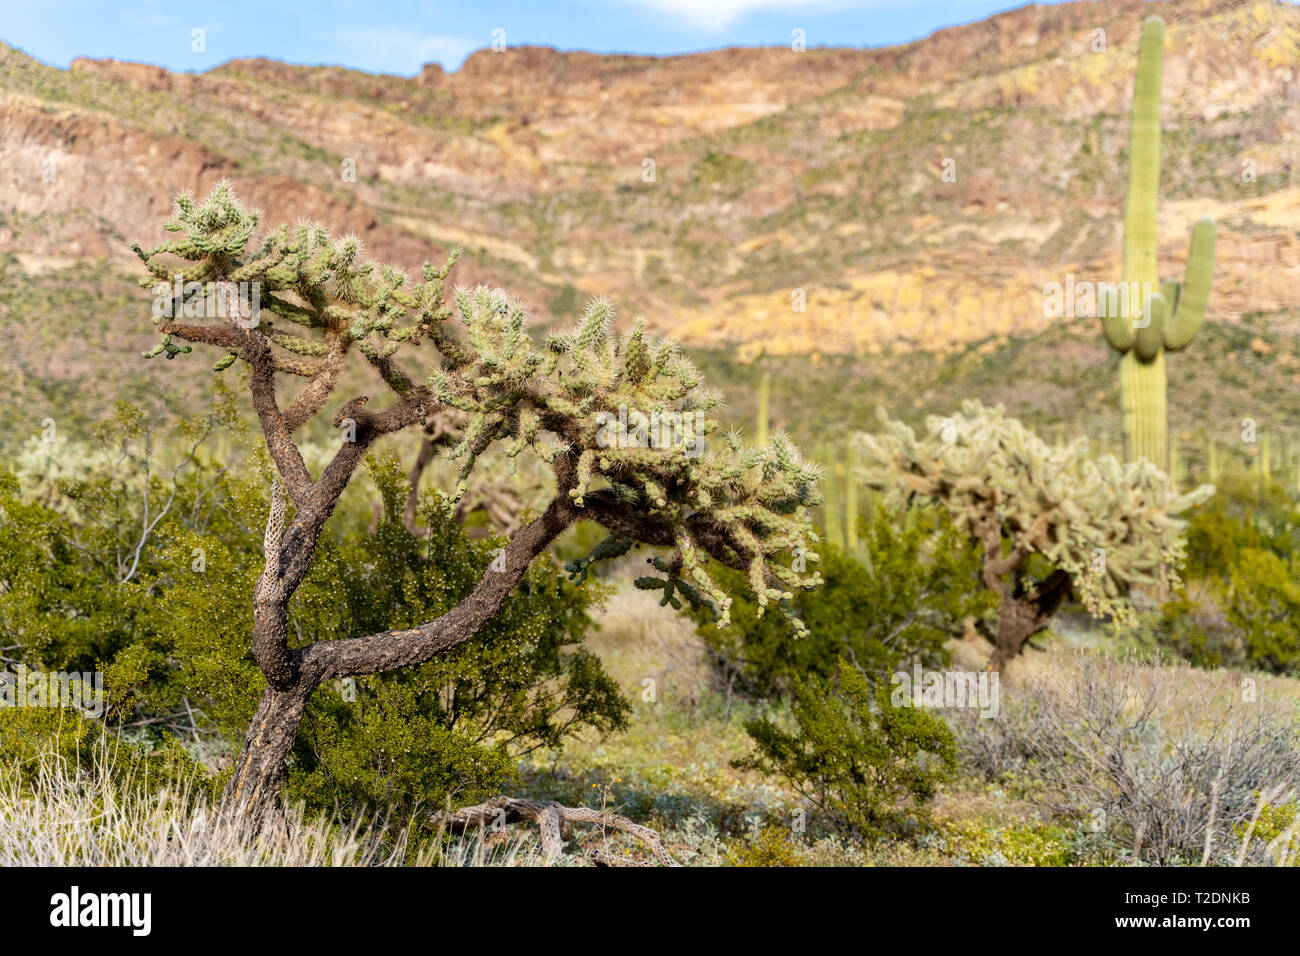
(1142, 394)
(1142, 382)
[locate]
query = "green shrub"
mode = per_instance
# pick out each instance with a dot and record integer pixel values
(1195, 628)
(1241, 607)
(868, 764)
(171, 636)
(921, 585)
(31, 738)
(408, 739)
(773, 846)
(1031, 844)
(1263, 601)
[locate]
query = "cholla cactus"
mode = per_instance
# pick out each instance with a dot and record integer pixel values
(621, 421)
(632, 415)
(1102, 527)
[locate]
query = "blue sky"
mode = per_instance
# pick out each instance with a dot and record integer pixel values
(400, 36)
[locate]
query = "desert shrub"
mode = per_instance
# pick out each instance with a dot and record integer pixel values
(1193, 626)
(406, 739)
(1121, 747)
(970, 842)
(1242, 514)
(170, 630)
(81, 525)
(1241, 607)
(869, 765)
(920, 584)
(773, 846)
(1263, 602)
(56, 612)
(34, 739)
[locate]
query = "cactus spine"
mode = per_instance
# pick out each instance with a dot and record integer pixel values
(1170, 317)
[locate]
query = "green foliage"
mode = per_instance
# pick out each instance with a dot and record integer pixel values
(1196, 629)
(53, 602)
(414, 737)
(868, 764)
(1245, 607)
(170, 631)
(1027, 845)
(773, 846)
(1263, 601)
(1273, 821)
(78, 532)
(920, 583)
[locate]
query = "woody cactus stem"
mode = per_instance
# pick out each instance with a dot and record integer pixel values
(1165, 320)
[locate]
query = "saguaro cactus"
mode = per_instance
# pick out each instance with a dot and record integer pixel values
(1156, 321)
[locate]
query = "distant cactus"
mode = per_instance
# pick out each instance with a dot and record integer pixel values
(832, 508)
(1170, 317)
(764, 403)
(851, 499)
(1101, 528)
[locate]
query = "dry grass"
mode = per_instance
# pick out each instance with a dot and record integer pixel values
(75, 817)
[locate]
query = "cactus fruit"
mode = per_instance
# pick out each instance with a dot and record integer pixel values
(1171, 316)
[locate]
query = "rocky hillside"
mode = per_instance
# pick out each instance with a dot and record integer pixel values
(777, 176)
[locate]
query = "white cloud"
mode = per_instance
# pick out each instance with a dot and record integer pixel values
(394, 50)
(720, 14)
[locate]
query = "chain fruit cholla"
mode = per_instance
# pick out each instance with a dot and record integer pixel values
(1096, 528)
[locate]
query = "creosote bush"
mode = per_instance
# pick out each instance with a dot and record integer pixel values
(919, 586)
(1241, 607)
(449, 729)
(868, 764)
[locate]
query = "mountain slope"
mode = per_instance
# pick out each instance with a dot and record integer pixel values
(778, 177)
